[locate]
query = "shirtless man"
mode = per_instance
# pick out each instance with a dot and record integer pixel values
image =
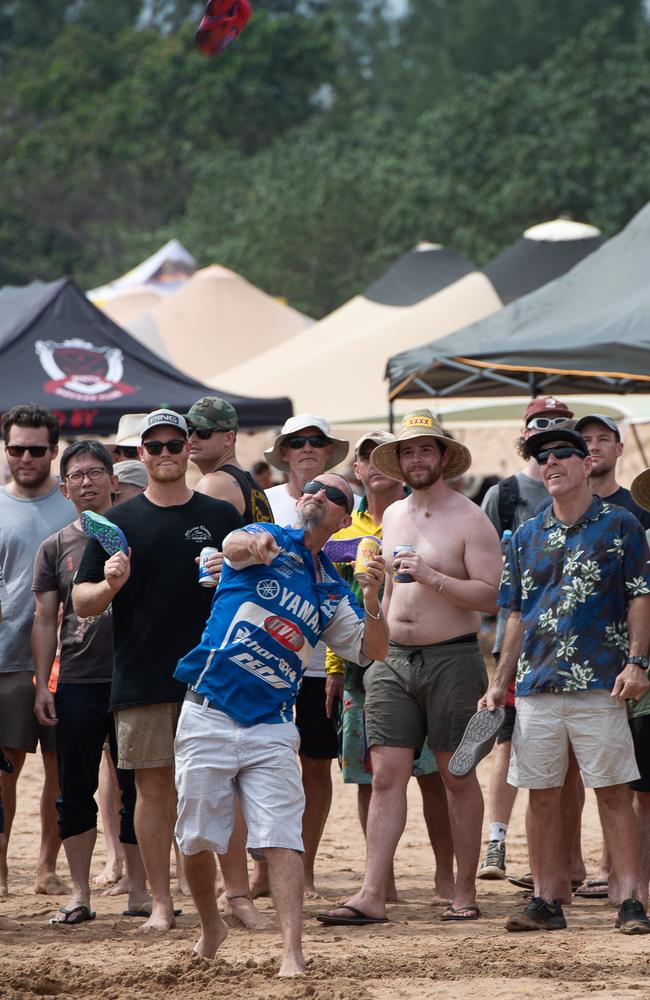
(433, 669)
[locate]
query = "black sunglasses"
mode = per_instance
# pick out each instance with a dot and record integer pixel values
(126, 450)
(174, 446)
(332, 493)
(202, 433)
(315, 440)
(565, 451)
(35, 450)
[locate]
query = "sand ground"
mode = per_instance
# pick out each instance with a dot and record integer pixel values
(414, 957)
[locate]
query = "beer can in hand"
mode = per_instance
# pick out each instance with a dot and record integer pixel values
(402, 550)
(367, 549)
(206, 578)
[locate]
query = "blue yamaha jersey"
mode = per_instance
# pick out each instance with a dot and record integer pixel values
(264, 624)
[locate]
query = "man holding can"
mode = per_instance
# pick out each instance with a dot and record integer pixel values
(159, 611)
(426, 687)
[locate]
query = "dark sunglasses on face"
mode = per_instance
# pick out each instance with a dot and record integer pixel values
(35, 450)
(174, 446)
(564, 452)
(332, 493)
(203, 434)
(300, 440)
(126, 450)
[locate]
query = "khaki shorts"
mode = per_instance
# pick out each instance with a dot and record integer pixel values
(592, 722)
(218, 761)
(424, 692)
(145, 735)
(19, 727)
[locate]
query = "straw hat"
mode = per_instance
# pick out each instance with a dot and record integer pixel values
(421, 423)
(292, 427)
(640, 489)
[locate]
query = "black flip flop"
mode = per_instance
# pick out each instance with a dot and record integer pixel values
(358, 918)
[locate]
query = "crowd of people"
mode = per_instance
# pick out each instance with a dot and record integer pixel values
(209, 716)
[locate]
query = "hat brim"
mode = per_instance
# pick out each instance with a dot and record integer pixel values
(640, 489)
(386, 457)
(339, 451)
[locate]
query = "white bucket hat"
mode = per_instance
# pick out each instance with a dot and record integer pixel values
(296, 424)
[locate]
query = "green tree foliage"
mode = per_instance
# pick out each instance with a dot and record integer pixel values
(328, 140)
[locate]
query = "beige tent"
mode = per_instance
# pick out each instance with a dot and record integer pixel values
(217, 320)
(337, 370)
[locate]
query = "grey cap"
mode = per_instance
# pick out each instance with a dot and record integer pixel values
(132, 472)
(163, 418)
(599, 418)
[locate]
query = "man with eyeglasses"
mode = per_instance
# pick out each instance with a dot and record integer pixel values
(80, 707)
(304, 449)
(31, 508)
(159, 611)
(576, 581)
(278, 597)
(508, 504)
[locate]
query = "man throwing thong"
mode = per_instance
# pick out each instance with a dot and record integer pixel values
(279, 596)
(577, 583)
(433, 670)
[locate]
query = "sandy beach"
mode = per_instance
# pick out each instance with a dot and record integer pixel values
(414, 957)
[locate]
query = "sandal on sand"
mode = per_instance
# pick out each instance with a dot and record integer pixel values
(358, 918)
(73, 915)
(593, 888)
(469, 912)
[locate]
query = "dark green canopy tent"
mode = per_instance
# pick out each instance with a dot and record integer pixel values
(587, 331)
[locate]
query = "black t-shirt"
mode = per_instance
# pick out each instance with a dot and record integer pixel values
(160, 612)
(621, 498)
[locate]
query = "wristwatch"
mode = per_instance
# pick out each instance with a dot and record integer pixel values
(639, 661)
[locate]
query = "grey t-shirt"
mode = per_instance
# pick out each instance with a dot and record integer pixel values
(24, 524)
(531, 493)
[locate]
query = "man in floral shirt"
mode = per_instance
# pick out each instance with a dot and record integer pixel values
(577, 583)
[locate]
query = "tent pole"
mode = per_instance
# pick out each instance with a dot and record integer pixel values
(391, 416)
(532, 385)
(639, 444)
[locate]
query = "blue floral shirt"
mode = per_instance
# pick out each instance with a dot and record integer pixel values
(572, 584)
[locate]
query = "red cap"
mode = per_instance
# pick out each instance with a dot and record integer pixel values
(547, 406)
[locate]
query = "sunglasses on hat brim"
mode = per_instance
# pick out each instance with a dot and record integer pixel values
(546, 423)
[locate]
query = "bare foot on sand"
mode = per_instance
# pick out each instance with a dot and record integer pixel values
(49, 884)
(311, 892)
(162, 919)
(439, 900)
(121, 887)
(211, 939)
(110, 874)
(244, 909)
(4, 879)
(292, 966)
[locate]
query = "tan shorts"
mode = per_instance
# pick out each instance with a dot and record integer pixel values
(145, 735)
(592, 722)
(19, 727)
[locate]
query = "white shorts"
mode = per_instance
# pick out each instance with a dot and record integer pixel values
(592, 722)
(217, 759)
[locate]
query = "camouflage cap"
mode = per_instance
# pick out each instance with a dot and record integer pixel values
(214, 414)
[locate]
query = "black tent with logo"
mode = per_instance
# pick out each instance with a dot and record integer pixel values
(58, 350)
